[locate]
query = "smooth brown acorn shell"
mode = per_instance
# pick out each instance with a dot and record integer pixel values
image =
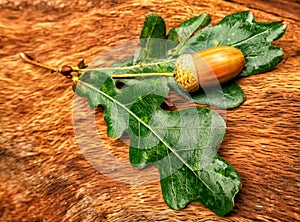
(209, 67)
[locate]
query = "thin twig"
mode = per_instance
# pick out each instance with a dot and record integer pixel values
(30, 60)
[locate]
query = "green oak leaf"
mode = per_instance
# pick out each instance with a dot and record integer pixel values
(182, 144)
(230, 95)
(214, 186)
(224, 97)
(152, 38)
(239, 30)
(185, 30)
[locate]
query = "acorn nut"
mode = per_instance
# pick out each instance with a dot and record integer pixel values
(209, 67)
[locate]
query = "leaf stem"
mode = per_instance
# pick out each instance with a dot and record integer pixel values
(140, 65)
(31, 61)
(132, 75)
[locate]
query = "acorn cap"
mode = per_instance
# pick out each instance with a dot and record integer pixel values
(185, 73)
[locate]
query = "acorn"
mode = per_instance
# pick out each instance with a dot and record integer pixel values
(209, 67)
(203, 69)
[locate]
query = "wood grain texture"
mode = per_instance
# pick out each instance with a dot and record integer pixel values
(44, 173)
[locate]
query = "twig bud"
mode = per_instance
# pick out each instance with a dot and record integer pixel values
(66, 70)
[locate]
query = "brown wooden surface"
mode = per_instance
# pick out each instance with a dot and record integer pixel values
(45, 177)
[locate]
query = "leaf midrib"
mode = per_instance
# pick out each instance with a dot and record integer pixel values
(182, 43)
(251, 37)
(146, 125)
(194, 30)
(152, 30)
